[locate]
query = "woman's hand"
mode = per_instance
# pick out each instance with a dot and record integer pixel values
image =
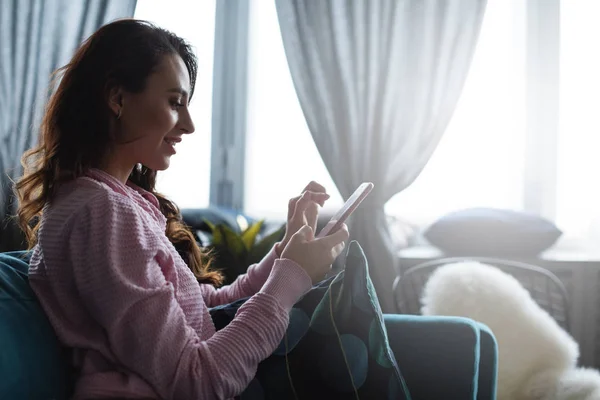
(315, 256)
(303, 210)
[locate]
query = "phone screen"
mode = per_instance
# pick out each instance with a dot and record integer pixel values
(347, 209)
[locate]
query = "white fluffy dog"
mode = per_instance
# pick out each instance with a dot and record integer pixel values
(537, 359)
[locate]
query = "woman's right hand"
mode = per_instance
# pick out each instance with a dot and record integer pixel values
(315, 256)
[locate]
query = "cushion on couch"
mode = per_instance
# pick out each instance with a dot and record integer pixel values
(30, 352)
(336, 345)
(492, 232)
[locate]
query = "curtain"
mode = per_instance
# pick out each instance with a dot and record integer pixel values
(36, 38)
(378, 81)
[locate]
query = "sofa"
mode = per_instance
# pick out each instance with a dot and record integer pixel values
(440, 357)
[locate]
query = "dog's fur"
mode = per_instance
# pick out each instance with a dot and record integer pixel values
(537, 359)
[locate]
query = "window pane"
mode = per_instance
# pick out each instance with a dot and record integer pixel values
(479, 161)
(187, 181)
(578, 193)
(281, 156)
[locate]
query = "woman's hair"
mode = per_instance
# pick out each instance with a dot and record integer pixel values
(76, 132)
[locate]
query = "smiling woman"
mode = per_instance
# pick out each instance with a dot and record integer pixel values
(122, 280)
(115, 108)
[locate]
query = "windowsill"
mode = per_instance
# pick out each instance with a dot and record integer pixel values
(560, 252)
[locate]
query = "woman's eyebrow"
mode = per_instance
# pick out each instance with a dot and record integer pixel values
(179, 90)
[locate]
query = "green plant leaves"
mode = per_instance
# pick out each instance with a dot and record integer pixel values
(250, 234)
(233, 253)
(213, 232)
(232, 241)
(260, 249)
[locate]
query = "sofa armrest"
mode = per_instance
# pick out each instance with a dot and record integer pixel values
(488, 364)
(444, 357)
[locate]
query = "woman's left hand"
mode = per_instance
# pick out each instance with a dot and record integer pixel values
(303, 210)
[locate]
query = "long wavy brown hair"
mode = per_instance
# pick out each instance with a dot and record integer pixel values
(76, 134)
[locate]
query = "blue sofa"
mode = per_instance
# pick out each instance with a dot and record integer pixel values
(440, 358)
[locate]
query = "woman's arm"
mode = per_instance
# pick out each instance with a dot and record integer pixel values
(117, 261)
(245, 285)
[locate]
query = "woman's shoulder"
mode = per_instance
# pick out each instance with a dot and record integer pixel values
(85, 210)
(85, 192)
(89, 200)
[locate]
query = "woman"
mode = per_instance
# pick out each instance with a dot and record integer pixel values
(106, 263)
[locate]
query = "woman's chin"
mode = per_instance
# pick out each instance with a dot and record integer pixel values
(160, 165)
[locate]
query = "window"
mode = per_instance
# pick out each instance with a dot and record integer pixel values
(479, 161)
(281, 156)
(578, 188)
(187, 180)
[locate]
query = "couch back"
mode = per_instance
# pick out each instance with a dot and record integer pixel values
(33, 364)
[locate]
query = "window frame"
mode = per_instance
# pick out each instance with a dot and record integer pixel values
(230, 88)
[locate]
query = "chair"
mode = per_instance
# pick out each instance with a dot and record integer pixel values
(545, 287)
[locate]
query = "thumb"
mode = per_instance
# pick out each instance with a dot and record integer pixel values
(305, 232)
(340, 236)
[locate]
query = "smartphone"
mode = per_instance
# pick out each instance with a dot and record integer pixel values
(347, 209)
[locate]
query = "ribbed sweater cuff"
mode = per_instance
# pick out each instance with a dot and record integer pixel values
(287, 282)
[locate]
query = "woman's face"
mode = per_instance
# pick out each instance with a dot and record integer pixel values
(153, 121)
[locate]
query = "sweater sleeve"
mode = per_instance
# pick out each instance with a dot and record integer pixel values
(116, 257)
(245, 285)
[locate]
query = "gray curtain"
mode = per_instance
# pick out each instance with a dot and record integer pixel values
(378, 81)
(36, 38)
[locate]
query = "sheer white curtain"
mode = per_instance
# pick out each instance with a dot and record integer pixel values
(578, 189)
(187, 181)
(378, 82)
(479, 161)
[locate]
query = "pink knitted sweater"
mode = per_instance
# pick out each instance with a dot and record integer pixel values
(118, 293)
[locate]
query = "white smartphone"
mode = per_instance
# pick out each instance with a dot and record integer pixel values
(347, 209)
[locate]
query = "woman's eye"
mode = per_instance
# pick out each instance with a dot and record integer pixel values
(176, 104)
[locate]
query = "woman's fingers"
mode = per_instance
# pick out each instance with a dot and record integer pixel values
(315, 187)
(334, 239)
(292, 207)
(318, 195)
(312, 215)
(303, 206)
(331, 246)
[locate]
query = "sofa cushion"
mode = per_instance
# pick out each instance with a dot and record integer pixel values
(335, 347)
(32, 362)
(492, 232)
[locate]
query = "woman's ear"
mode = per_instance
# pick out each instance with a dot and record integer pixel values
(115, 100)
